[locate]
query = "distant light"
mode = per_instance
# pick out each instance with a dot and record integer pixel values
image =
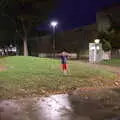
(92, 48)
(97, 41)
(54, 23)
(14, 49)
(11, 46)
(98, 48)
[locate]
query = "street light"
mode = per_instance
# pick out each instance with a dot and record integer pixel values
(54, 25)
(97, 41)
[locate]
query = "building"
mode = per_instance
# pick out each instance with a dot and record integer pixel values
(77, 40)
(74, 41)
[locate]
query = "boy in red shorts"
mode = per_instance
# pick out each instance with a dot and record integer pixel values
(64, 56)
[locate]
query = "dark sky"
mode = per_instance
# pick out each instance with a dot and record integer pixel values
(76, 13)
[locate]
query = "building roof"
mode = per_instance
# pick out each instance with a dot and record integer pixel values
(86, 27)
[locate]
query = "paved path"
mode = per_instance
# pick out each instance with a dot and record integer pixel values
(113, 69)
(106, 67)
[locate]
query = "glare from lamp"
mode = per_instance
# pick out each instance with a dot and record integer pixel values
(54, 23)
(97, 41)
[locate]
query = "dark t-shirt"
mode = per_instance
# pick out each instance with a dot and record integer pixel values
(64, 59)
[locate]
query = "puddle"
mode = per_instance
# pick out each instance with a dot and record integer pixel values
(55, 107)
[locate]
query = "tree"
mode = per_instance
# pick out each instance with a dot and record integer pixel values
(105, 40)
(110, 39)
(26, 15)
(106, 45)
(114, 35)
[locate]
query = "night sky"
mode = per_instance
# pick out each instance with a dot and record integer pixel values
(76, 13)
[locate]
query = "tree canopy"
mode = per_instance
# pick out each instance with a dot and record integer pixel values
(25, 15)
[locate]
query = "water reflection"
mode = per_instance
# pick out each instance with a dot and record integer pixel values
(60, 107)
(55, 108)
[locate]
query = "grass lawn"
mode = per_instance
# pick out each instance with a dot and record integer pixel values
(112, 62)
(31, 76)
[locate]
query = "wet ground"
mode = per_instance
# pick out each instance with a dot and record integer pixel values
(82, 104)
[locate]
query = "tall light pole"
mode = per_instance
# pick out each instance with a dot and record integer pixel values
(54, 25)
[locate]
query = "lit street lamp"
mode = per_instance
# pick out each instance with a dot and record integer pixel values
(97, 41)
(54, 25)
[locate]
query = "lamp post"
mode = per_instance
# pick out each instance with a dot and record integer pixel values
(54, 25)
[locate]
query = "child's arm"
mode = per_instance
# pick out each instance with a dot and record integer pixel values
(59, 54)
(68, 54)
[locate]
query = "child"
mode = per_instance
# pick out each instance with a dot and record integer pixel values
(64, 56)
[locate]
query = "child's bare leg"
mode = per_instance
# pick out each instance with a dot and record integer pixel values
(65, 69)
(65, 72)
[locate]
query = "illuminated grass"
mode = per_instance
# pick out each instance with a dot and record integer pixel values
(31, 76)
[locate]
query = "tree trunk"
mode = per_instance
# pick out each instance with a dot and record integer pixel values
(37, 46)
(25, 46)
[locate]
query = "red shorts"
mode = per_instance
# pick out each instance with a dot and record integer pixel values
(64, 66)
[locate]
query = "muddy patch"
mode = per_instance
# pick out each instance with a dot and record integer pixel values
(83, 104)
(2, 68)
